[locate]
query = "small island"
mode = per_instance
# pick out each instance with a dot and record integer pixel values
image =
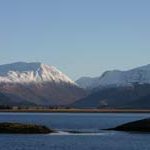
(136, 126)
(20, 128)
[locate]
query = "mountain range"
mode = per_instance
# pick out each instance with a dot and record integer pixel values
(38, 84)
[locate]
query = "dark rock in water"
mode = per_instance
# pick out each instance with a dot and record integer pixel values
(19, 128)
(136, 126)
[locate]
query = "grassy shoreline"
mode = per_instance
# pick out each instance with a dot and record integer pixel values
(76, 110)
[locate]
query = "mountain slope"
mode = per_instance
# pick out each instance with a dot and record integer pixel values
(38, 83)
(140, 103)
(135, 97)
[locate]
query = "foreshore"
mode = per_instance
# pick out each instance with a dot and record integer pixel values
(75, 110)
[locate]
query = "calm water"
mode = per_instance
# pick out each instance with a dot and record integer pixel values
(91, 123)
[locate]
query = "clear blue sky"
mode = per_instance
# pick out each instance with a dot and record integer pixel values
(79, 37)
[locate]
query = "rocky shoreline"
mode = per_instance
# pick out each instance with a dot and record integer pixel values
(20, 128)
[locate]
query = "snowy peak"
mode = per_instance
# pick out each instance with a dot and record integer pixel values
(48, 73)
(139, 75)
(31, 72)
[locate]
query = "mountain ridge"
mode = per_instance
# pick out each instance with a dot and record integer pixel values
(117, 78)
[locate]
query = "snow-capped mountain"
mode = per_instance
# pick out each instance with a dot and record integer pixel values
(21, 72)
(139, 75)
(37, 83)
